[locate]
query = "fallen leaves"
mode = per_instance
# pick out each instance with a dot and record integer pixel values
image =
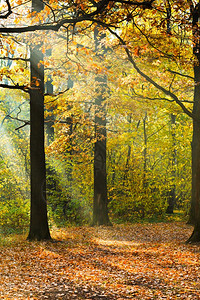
(121, 262)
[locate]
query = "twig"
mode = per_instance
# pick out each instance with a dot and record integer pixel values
(9, 11)
(183, 75)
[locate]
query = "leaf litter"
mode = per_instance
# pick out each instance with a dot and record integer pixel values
(139, 261)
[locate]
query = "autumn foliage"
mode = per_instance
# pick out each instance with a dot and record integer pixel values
(149, 261)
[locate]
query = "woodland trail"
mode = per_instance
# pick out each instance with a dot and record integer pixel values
(137, 261)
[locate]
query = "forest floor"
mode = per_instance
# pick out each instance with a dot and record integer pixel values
(140, 261)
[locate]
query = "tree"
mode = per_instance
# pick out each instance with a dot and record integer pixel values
(100, 203)
(49, 122)
(171, 194)
(39, 229)
(195, 204)
(145, 183)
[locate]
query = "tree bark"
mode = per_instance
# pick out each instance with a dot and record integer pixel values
(69, 166)
(172, 191)
(129, 119)
(100, 202)
(49, 120)
(195, 202)
(39, 229)
(145, 182)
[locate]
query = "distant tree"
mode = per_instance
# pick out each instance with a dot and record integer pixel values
(100, 202)
(171, 195)
(49, 122)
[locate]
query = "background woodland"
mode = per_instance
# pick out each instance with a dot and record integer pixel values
(112, 85)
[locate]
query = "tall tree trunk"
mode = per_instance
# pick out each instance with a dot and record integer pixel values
(195, 203)
(172, 192)
(39, 229)
(49, 120)
(145, 183)
(100, 202)
(129, 119)
(69, 167)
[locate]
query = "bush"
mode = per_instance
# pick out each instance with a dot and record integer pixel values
(142, 203)
(14, 216)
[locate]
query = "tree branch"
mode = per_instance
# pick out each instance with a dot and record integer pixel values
(15, 87)
(15, 58)
(150, 80)
(56, 26)
(9, 11)
(17, 119)
(58, 94)
(100, 7)
(156, 98)
(183, 75)
(53, 13)
(26, 122)
(145, 4)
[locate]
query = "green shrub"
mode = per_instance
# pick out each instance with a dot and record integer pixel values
(14, 216)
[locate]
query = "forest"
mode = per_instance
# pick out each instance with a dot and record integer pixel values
(100, 149)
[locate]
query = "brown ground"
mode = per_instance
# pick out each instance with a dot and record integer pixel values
(138, 261)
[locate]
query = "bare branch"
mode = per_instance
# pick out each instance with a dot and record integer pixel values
(9, 11)
(58, 94)
(156, 131)
(151, 44)
(15, 87)
(17, 119)
(140, 96)
(172, 82)
(25, 124)
(14, 58)
(54, 17)
(183, 75)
